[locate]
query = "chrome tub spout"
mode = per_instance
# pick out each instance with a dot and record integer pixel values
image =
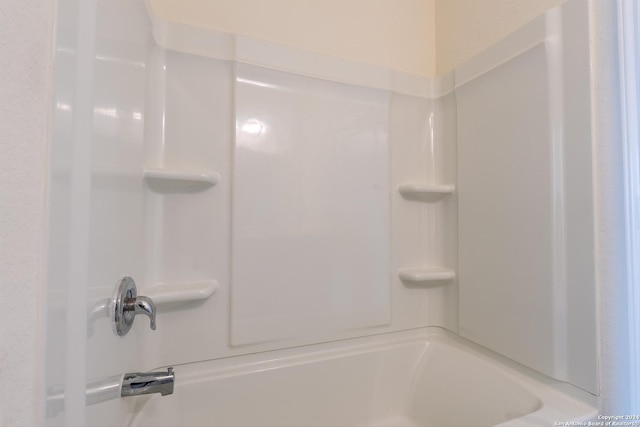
(138, 383)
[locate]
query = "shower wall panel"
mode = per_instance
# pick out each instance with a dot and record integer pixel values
(310, 207)
(526, 242)
(507, 205)
(188, 131)
(303, 233)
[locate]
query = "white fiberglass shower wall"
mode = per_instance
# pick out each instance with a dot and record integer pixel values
(269, 198)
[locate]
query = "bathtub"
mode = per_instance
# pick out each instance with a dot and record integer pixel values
(424, 377)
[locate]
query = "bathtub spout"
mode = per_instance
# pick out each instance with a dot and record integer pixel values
(138, 383)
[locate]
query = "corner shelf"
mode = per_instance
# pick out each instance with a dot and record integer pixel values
(162, 293)
(425, 192)
(170, 179)
(426, 274)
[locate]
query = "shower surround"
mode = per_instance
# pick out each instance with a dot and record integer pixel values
(295, 215)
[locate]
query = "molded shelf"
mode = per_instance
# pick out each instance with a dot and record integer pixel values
(426, 274)
(170, 179)
(425, 192)
(163, 293)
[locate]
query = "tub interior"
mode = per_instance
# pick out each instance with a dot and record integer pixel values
(434, 380)
(451, 387)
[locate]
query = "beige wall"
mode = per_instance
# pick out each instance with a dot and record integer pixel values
(393, 33)
(424, 37)
(26, 77)
(467, 27)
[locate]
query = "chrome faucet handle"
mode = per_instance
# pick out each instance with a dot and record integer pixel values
(127, 304)
(141, 305)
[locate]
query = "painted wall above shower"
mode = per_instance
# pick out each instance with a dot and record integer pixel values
(422, 37)
(395, 34)
(465, 28)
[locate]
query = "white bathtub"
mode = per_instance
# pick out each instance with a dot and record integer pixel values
(417, 378)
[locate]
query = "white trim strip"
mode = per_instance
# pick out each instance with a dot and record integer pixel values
(80, 216)
(555, 54)
(629, 39)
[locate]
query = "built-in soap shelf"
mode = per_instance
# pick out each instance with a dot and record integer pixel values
(163, 293)
(175, 180)
(425, 192)
(426, 275)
